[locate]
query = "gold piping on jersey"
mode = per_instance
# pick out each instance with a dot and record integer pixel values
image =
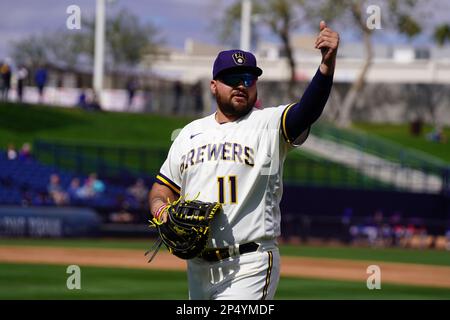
(168, 183)
(269, 273)
(283, 123)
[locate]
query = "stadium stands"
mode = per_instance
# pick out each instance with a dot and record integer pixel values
(25, 183)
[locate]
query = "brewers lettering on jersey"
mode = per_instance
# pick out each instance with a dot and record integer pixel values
(235, 156)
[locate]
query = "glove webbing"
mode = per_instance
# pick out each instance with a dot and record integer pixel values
(156, 222)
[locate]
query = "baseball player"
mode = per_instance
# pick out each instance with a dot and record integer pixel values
(235, 157)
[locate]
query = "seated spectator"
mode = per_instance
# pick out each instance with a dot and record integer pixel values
(437, 135)
(86, 191)
(40, 199)
(416, 127)
(139, 191)
(74, 191)
(132, 86)
(94, 104)
(122, 216)
(447, 235)
(56, 192)
(97, 184)
(11, 152)
(82, 100)
(92, 187)
(25, 152)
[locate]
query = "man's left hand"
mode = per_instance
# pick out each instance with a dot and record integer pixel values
(328, 43)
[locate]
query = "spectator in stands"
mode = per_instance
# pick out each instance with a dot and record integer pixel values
(86, 191)
(22, 74)
(346, 220)
(122, 216)
(94, 103)
(40, 78)
(132, 86)
(447, 235)
(177, 94)
(410, 231)
(56, 191)
(74, 191)
(437, 135)
(5, 71)
(139, 192)
(197, 93)
(25, 152)
(416, 127)
(397, 228)
(422, 234)
(92, 187)
(97, 185)
(384, 230)
(82, 100)
(40, 199)
(11, 152)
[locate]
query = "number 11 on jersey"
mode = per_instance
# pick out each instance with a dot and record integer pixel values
(232, 183)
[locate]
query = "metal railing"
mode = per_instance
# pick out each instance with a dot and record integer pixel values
(377, 146)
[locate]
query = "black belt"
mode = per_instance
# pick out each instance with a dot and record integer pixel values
(218, 254)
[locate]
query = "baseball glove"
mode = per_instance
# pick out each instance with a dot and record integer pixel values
(186, 231)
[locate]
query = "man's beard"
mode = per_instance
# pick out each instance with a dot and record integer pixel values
(228, 108)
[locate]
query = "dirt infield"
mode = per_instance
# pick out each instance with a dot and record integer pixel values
(395, 273)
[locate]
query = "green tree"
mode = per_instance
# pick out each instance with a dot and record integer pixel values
(30, 51)
(442, 34)
(127, 40)
(396, 16)
(434, 94)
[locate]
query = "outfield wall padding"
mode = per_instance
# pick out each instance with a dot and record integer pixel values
(48, 222)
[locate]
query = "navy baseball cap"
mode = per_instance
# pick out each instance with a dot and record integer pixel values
(235, 61)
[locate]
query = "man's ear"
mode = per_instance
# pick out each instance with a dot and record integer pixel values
(213, 87)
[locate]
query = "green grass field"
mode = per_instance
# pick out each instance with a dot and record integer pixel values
(31, 281)
(49, 282)
(25, 123)
(22, 123)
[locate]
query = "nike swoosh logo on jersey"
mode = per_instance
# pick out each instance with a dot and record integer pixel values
(194, 135)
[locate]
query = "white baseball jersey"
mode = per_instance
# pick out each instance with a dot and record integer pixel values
(239, 164)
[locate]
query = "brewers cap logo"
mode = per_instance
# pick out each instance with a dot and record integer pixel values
(239, 57)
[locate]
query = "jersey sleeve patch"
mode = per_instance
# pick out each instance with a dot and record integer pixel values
(162, 179)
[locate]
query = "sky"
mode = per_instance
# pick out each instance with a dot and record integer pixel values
(175, 19)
